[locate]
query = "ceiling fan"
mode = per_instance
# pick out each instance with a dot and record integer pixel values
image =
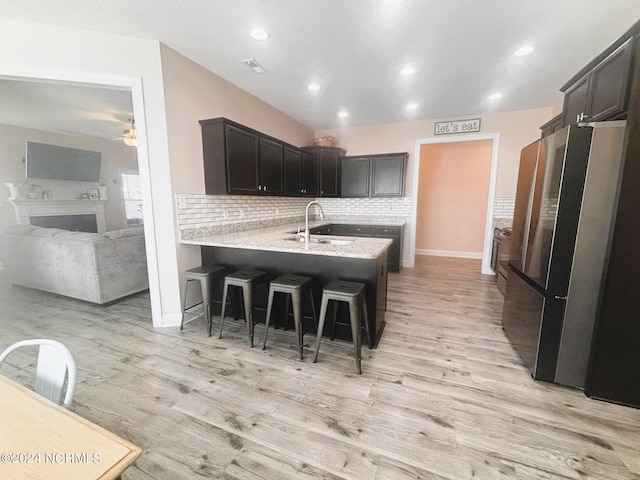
(129, 135)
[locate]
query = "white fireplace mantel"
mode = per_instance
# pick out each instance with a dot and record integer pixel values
(26, 208)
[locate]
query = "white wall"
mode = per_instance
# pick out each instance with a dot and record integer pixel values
(169, 143)
(41, 51)
(193, 93)
(116, 157)
(516, 129)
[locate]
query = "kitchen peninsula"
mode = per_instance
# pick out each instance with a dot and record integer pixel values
(279, 250)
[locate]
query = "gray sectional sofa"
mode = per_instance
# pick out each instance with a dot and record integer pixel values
(98, 268)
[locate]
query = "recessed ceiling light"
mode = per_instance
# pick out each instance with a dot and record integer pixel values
(343, 114)
(313, 87)
(495, 96)
(259, 34)
(412, 106)
(526, 50)
(408, 70)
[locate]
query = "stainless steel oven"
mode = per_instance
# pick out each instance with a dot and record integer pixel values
(500, 256)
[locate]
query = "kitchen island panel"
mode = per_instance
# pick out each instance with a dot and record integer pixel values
(324, 269)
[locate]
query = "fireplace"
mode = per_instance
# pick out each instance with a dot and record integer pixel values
(82, 215)
(80, 223)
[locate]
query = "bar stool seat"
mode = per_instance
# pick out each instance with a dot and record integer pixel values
(246, 280)
(354, 293)
(293, 285)
(206, 276)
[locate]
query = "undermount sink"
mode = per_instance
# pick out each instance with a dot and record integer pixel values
(325, 241)
(335, 241)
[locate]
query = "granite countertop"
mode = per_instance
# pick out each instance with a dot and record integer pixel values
(502, 223)
(282, 238)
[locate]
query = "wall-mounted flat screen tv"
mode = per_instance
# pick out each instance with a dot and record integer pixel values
(62, 163)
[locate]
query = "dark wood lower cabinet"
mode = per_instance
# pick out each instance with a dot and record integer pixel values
(395, 250)
(395, 233)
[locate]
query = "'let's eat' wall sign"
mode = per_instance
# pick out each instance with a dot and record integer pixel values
(460, 126)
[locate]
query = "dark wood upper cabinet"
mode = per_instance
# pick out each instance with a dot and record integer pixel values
(387, 175)
(328, 169)
(241, 161)
(602, 92)
(610, 84)
(271, 171)
(329, 172)
(551, 126)
(309, 175)
(576, 98)
(374, 175)
(356, 176)
(299, 173)
(292, 172)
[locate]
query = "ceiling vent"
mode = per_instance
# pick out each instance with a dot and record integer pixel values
(253, 64)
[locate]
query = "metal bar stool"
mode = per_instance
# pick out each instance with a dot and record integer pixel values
(355, 294)
(206, 277)
(246, 280)
(293, 285)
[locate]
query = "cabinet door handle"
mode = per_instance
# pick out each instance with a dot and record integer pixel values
(259, 187)
(582, 117)
(264, 188)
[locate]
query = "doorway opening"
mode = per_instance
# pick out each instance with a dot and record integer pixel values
(454, 188)
(69, 111)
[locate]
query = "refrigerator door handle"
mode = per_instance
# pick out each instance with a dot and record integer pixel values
(527, 222)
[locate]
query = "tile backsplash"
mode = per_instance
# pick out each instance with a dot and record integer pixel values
(231, 213)
(503, 207)
(226, 213)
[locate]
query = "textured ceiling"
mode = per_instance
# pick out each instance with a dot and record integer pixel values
(462, 49)
(67, 109)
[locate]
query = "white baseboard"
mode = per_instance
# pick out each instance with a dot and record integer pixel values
(170, 320)
(449, 253)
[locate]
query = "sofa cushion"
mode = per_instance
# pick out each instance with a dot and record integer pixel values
(47, 232)
(21, 229)
(84, 237)
(125, 232)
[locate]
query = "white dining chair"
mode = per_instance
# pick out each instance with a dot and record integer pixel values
(55, 363)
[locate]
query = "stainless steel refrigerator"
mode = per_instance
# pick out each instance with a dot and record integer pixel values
(567, 190)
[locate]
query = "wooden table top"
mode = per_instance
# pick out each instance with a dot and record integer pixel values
(42, 440)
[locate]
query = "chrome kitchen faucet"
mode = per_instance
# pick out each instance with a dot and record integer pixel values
(307, 234)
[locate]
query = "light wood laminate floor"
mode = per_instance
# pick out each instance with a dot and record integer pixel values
(444, 396)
